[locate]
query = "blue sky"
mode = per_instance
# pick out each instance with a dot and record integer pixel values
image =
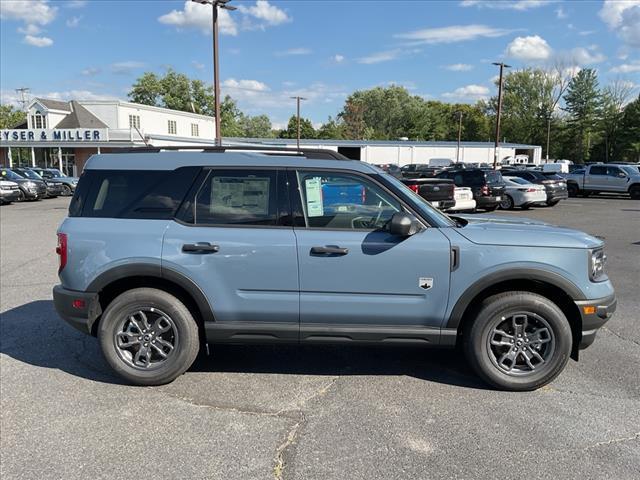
(322, 50)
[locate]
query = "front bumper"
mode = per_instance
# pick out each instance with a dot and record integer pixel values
(81, 316)
(595, 313)
(54, 190)
(9, 195)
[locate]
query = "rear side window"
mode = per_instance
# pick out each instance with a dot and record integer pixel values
(237, 197)
(598, 171)
(143, 194)
(493, 177)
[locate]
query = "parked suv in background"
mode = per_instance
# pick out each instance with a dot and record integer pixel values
(163, 251)
(554, 184)
(30, 189)
(487, 185)
(53, 188)
(53, 174)
(9, 191)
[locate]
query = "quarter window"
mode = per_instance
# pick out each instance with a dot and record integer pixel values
(344, 201)
(195, 130)
(237, 197)
(173, 127)
(134, 121)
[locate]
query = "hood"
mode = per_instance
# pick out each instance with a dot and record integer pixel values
(524, 232)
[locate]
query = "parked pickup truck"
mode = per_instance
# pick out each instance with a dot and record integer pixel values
(599, 177)
(437, 191)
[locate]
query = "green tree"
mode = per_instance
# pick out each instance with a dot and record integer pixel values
(258, 126)
(306, 128)
(146, 90)
(11, 116)
(610, 114)
(581, 103)
(629, 143)
(331, 130)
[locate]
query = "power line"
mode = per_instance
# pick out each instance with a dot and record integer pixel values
(23, 91)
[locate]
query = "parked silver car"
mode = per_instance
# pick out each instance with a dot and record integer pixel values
(522, 193)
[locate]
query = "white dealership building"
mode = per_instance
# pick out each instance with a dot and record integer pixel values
(64, 135)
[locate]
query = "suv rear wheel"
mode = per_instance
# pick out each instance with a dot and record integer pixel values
(148, 336)
(634, 191)
(519, 341)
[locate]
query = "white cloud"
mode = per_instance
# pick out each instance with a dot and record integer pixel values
(11, 97)
(265, 12)
(76, 3)
(468, 92)
(627, 68)
(30, 12)
(585, 33)
(91, 71)
(560, 13)
(197, 15)
(452, 34)
(126, 67)
(338, 58)
(587, 56)
(198, 65)
(458, 67)
(247, 87)
(30, 29)
(38, 41)
(624, 18)
(294, 51)
(532, 48)
(380, 57)
(73, 22)
(506, 4)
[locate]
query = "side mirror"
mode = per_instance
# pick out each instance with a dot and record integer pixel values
(403, 224)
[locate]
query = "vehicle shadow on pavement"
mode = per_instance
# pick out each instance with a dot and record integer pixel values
(58, 346)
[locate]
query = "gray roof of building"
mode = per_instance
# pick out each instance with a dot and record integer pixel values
(170, 160)
(54, 104)
(80, 117)
(365, 143)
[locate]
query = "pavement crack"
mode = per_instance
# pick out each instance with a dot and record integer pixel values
(620, 336)
(614, 441)
(225, 408)
(281, 452)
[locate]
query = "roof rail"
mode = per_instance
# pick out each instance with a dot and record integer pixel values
(312, 153)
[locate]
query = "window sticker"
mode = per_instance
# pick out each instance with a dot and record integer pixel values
(313, 191)
(234, 195)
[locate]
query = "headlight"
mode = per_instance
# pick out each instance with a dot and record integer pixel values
(30, 184)
(597, 261)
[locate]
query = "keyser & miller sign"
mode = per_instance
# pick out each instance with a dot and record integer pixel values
(72, 135)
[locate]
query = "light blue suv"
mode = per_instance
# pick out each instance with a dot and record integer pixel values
(166, 251)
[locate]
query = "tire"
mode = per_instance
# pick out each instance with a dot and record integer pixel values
(552, 203)
(573, 189)
(66, 191)
(502, 312)
(634, 191)
(506, 203)
(120, 322)
(21, 196)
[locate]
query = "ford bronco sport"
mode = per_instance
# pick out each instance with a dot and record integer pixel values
(166, 251)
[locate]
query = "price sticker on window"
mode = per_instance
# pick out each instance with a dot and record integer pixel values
(313, 190)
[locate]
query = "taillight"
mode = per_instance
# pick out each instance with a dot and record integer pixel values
(61, 250)
(415, 188)
(485, 190)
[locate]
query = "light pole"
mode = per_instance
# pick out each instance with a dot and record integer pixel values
(298, 99)
(459, 135)
(215, 4)
(502, 66)
(548, 134)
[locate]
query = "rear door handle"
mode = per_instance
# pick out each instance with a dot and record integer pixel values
(329, 250)
(200, 247)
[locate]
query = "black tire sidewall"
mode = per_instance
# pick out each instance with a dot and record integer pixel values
(635, 192)
(511, 203)
(66, 190)
(502, 305)
(188, 341)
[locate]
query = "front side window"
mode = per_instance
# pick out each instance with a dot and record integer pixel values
(614, 172)
(237, 197)
(173, 127)
(598, 171)
(335, 200)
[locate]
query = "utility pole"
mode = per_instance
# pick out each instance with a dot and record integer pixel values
(23, 95)
(215, 4)
(459, 135)
(548, 134)
(298, 99)
(502, 66)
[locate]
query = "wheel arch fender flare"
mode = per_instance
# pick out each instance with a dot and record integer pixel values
(515, 274)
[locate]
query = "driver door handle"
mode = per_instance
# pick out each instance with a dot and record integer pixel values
(329, 250)
(200, 247)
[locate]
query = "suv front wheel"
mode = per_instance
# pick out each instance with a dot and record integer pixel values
(519, 341)
(148, 336)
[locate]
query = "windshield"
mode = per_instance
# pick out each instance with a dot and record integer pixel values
(29, 174)
(493, 177)
(631, 170)
(56, 173)
(8, 174)
(433, 214)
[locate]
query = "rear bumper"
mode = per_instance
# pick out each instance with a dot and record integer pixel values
(488, 201)
(443, 204)
(603, 309)
(465, 204)
(83, 315)
(557, 195)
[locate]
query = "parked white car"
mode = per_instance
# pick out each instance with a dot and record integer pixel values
(464, 200)
(522, 193)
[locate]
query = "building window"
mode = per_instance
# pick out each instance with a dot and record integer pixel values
(38, 121)
(173, 127)
(134, 121)
(195, 131)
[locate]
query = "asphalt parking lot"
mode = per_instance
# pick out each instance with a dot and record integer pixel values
(309, 413)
